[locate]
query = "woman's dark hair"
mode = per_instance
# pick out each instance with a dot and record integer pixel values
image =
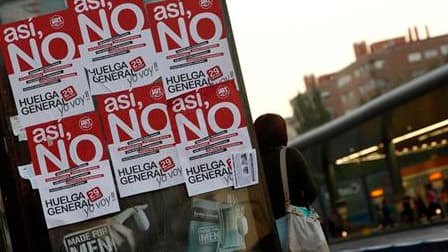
(271, 131)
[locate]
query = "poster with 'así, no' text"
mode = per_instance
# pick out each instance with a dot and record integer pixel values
(191, 43)
(44, 68)
(140, 139)
(209, 126)
(72, 170)
(117, 46)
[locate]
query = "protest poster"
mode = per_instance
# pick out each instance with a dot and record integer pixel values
(208, 126)
(72, 169)
(117, 46)
(44, 68)
(191, 42)
(140, 139)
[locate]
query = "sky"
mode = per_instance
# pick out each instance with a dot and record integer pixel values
(278, 42)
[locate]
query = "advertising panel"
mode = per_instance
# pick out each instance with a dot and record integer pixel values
(166, 220)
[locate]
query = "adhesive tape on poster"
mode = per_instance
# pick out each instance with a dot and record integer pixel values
(141, 220)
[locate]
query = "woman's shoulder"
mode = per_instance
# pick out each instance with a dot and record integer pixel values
(290, 151)
(294, 155)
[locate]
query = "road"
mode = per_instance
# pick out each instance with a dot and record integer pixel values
(422, 237)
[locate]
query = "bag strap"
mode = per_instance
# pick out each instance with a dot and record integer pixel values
(284, 174)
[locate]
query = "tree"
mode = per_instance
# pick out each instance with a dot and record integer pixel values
(309, 110)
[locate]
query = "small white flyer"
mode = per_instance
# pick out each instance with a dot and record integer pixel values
(17, 128)
(27, 172)
(245, 169)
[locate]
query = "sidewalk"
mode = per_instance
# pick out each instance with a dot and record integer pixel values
(422, 236)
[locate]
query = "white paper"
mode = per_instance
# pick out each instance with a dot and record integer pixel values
(27, 172)
(51, 101)
(17, 128)
(245, 168)
(207, 163)
(77, 194)
(139, 165)
(135, 66)
(180, 76)
(22, 137)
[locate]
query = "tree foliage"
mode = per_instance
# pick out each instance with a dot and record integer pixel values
(309, 110)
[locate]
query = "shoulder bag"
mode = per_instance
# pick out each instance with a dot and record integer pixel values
(299, 230)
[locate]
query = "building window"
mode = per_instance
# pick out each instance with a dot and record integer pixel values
(362, 90)
(344, 80)
(344, 99)
(370, 86)
(431, 53)
(366, 87)
(380, 83)
(331, 110)
(444, 49)
(414, 57)
(348, 98)
(418, 73)
(324, 94)
(364, 69)
(378, 64)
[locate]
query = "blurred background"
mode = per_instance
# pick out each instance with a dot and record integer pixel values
(363, 87)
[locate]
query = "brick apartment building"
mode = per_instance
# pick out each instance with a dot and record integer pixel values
(379, 68)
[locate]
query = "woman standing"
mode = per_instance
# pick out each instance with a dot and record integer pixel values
(272, 137)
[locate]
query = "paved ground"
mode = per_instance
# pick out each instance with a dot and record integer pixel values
(403, 238)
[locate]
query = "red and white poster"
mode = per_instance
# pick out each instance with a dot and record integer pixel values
(191, 43)
(72, 170)
(44, 68)
(117, 46)
(209, 126)
(140, 139)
